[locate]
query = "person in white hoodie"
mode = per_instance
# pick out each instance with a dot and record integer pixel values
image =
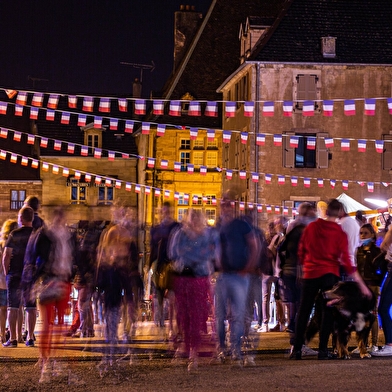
(351, 228)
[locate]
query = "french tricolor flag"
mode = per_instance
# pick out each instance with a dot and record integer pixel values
(34, 164)
(176, 195)
(328, 108)
(320, 183)
(3, 155)
(50, 115)
(307, 182)
(84, 151)
(332, 183)
(269, 208)
(175, 108)
(140, 107)
(229, 174)
(157, 192)
(55, 169)
(361, 145)
(108, 182)
(98, 180)
(111, 155)
(277, 210)
(97, 153)
(53, 101)
(379, 146)
(104, 105)
(389, 102)
(345, 145)
(3, 107)
(65, 172)
(167, 194)
(145, 128)
(249, 108)
(230, 109)
(3, 133)
(177, 166)
(329, 143)
(44, 142)
(193, 132)
(345, 184)
(21, 99)
(129, 126)
(71, 148)
(308, 108)
(370, 107)
(45, 166)
(244, 137)
(72, 101)
(259, 208)
(161, 129)
(255, 177)
(242, 206)
(211, 109)
(386, 184)
(250, 206)
(294, 181)
(190, 168)
(30, 139)
(242, 174)
(82, 120)
(194, 108)
(294, 140)
(210, 135)
(150, 162)
(137, 187)
(164, 163)
(98, 122)
(17, 136)
(34, 113)
(277, 140)
(311, 143)
(65, 116)
(122, 104)
(226, 136)
(268, 109)
(18, 110)
(37, 100)
(370, 187)
(281, 180)
(349, 107)
(288, 108)
(113, 124)
(77, 175)
(88, 104)
(157, 107)
(260, 139)
(57, 145)
(268, 178)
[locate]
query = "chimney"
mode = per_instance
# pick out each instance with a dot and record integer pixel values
(136, 88)
(186, 24)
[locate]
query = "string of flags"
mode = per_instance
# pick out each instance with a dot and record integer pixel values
(176, 108)
(163, 164)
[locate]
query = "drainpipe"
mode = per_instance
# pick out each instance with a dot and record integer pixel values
(257, 130)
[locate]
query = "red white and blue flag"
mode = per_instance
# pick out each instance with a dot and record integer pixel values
(379, 146)
(57, 145)
(193, 132)
(17, 136)
(308, 108)
(320, 183)
(113, 124)
(175, 108)
(150, 162)
(97, 153)
(260, 139)
(229, 174)
(294, 140)
(249, 107)
(288, 108)
(226, 136)
(361, 145)
(294, 181)
(145, 128)
(349, 107)
(332, 183)
(268, 178)
(244, 137)
(307, 182)
(111, 155)
(190, 168)
(122, 104)
(242, 174)
(50, 115)
(21, 99)
(345, 145)
(84, 151)
(104, 105)
(129, 126)
(255, 177)
(345, 184)
(268, 109)
(88, 104)
(53, 101)
(18, 110)
(194, 108)
(65, 116)
(311, 143)
(277, 140)
(30, 139)
(211, 109)
(177, 166)
(140, 107)
(71, 148)
(230, 109)
(389, 102)
(161, 129)
(82, 120)
(98, 122)
(34, 113)
(329, 142)
(44, 142)
(164, 163)
(72, 101)
(370, 107)
(281, 180)
(370, 186)
(37, 100)
(210, 135)
(158, 107)
(203, 170)
(3, 108)
(328, 108)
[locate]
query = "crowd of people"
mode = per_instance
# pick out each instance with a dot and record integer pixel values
(226, 273)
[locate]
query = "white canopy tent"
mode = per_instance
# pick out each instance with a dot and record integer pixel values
(351, 204)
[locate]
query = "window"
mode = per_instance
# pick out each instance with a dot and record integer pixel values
(302, 157)
(78, 190)
(185, 144)
(105, 194)
(92, 140)
(198, 201)
(17, 199)
(185, 159)
(183, 201)
(212, 144)
(181, 213)
(209, 199)
(198, 158)
(211, 216)
(212, 159)
(198, 143)
(306, 88)
(387, 154)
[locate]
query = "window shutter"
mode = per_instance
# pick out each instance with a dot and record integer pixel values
(288, 152)
(387, 154)
(322, 151)
(306, 89)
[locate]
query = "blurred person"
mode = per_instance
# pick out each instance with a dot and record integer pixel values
(13, 262)
(113, 257)
(372, 273)
(360, 218)
(193, 248)
(239, 250)
(8, 226)
(159, 239)
(351, 228)
(385, 304)
(322, 209)
(54, 258)
(323, 248)
(34, 203)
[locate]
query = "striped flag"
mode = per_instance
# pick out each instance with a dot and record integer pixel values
(281, 180)
(230, 109)
(249, 107)
(210, 135)
(329, 142)
(370, 187)
(161, 128)
(308, 108)
(193, 132)
(18, 110)
(88, 104)
(203, 170)
(65, 172)
(328, 108)
(71, 148)
(113, 124)
(84, 151)
(244, 137)
(65, 116)
(389, 102)
(277, 140)
(211, 109)
(268, 178)
(34, 164)
(288, 108)
(379, 146)
(140, 107)
(111, 155)
(37, 100)
(30, 139)
(307, 182)
(3, 133)
(57, 145)
(194, 108)
(55, 169)
(129, 126)
(345, 145)
(21, 99)
(259, 208)
(370, 107)
(17, 136)
(345, 184)
(175, 108)
(150, 162)
(226, 136)
(269, 208)
(229, 174)
(164, 163)
(122, 104)
(311, 143)
(53, 101)
(104, 105)
(268, 109)
(294, 140)
(349, 107)
(145, 128)
(50, 115)
(242, 174)
(320, 183)
(361, 145)
(190, 168)
(97, 153)
(177, 166)
(158, 108)
(294, 180)
(72, 101)
(260, 139)
(82, 120)
(98, 122)
(34, 113)
(3, 108)
(44, 142)
(255, 177)
(332, 183)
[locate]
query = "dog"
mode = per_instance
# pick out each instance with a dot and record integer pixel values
(353, 312)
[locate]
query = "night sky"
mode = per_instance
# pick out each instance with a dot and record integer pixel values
(76, 46)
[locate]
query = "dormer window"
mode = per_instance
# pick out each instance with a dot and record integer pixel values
(328, 47)
(92, 137)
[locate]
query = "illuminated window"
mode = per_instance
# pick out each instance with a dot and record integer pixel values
(198, 143)
(185, 159)
(212, 159)
(209, 199)
(105, 194)
(183, 201)
(181, 213)
(78, 190)
(198, 158)
(210, 216)
(212, 143)
(17, 199)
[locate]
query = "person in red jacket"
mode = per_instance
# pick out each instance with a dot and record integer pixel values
(323, 249)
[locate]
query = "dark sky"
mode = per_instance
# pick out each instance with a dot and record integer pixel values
(77, 45)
